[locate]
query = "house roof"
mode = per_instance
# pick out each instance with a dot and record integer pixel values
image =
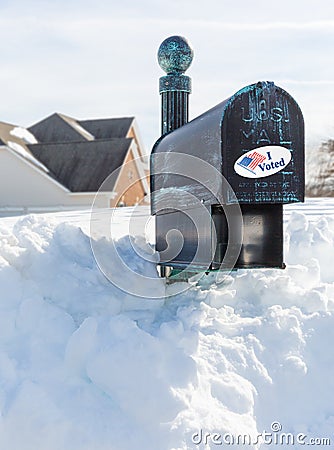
(75, 124)
(79, 155)
(62, 128)
(108, 128)
(83, 166)
(55, 129)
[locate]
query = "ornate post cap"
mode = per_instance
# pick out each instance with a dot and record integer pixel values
(175, 56)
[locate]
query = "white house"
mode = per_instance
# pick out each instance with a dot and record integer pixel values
(61, 163)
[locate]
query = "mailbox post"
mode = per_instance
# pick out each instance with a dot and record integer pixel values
(255, 139)
(175, 56)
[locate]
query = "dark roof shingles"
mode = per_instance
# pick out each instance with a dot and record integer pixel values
(83, 166)
(108, 128)
(55, 129)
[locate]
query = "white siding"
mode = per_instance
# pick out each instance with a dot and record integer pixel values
(26, 188)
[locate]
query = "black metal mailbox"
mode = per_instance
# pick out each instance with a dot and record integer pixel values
(255, 140)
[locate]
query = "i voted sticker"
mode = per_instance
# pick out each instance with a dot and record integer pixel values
(262, 162)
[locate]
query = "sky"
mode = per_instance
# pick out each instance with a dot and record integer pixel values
(99, 59)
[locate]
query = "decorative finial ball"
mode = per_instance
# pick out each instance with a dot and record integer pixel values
(175, 55)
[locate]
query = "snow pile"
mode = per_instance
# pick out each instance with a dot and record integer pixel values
(85, 366)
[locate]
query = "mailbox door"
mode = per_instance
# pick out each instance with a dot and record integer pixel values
(263, 145)
(262, 237)
(262, 244)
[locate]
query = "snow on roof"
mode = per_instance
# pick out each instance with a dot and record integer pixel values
(24, 134)
(26, 154)
(17, 139)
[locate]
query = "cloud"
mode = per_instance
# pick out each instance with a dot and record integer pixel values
(100, 61)
(323, 25)
(309, 82)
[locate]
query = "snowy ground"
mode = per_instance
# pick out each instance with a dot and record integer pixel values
(87, 366)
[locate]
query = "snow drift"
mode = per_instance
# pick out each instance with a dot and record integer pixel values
(85, 366)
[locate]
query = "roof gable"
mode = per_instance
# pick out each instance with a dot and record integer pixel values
(57, 128)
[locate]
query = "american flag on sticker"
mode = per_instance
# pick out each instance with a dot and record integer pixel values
(251, 161)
